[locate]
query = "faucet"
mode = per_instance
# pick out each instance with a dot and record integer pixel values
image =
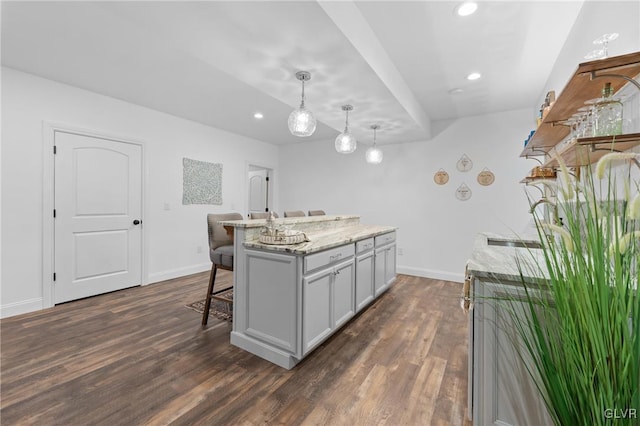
(544, 200)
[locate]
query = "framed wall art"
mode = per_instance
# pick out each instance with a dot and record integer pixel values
(201, 182)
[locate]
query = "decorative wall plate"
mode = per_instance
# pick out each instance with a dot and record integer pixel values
(441, 177)
(463, 193)
(486, 177)
(464, 164)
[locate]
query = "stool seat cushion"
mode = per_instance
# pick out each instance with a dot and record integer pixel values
(223, 255)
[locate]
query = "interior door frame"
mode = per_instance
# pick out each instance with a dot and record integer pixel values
(49, 130)
(273, 194)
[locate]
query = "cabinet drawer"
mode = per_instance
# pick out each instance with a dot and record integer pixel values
(385, 238)
(364, 245)
(318, 260)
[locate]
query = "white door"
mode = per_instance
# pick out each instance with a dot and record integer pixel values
(258, 191)
(98, 206)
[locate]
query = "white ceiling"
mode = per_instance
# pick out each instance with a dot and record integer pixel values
(218, 62)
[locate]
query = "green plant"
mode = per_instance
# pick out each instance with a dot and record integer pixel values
(581, 330)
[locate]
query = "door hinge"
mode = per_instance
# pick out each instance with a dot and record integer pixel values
(267, 178)
(54, 213)
(54, 276)
(55, 150)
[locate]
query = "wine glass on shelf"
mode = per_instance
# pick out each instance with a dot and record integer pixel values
(604, 40)
(574, 125)
(586, 124)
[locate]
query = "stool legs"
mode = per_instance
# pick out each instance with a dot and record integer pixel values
(207, 303)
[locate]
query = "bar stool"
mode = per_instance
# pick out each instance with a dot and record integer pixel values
(294, 213)
(220, 253)
(316, 213)
(261, 215)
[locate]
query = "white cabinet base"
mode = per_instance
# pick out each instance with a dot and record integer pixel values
(263, 350)
(285, 304)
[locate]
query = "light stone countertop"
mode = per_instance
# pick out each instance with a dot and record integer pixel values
(288, 221)
(500, 263)
(322, 240)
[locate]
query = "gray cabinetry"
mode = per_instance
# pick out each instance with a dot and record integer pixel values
(287, 303)
(385, 262)
(503, 392)
(327, 302)
(272, 316)
(365, 272)
(317, 322)
(344, 279)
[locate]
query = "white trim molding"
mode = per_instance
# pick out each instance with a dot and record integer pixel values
(178, 272)
(49, 130)
(21, 307)
(431, 273)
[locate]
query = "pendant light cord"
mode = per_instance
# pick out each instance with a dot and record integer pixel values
(302, 103)
(346, 123)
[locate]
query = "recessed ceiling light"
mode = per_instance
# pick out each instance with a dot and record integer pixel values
(258, 115)
(467, 8)
(474, 76)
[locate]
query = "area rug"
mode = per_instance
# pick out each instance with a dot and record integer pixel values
(219, 308)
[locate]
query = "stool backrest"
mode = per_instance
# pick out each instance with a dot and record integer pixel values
(316, 213)
(294, 213)
(217, 234)
(261, 215)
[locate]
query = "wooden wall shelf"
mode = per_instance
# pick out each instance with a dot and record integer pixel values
(580, 88)
(585, 151)
(530, 179)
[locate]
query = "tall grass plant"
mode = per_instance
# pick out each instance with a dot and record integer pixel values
(582, 324)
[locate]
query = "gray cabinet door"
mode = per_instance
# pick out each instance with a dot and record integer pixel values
(385, 268)
(507, 394)
(317, 320)
(390, 265)
(343, 293)
(380, 268)
(364, 280)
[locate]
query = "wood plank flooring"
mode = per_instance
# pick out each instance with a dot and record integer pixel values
(139, 356)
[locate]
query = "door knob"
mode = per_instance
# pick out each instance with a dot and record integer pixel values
(137, 222)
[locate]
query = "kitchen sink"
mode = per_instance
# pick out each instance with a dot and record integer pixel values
(514, 243)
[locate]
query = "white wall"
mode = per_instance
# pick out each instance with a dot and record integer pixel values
(171, 236)
(595, 19)
(436, 231)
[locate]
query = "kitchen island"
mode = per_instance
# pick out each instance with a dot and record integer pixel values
(289, 298)
(501, 390)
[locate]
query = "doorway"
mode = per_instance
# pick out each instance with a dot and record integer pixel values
(260, 180)
(97, 231)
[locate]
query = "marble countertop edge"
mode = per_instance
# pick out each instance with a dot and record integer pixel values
(259, 223)
(320, 241)
(501, 264)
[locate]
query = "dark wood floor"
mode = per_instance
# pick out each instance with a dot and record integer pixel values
(139, 356)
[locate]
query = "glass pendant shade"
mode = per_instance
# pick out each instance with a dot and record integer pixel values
(374, 154)
(345, 142)
(301, 121)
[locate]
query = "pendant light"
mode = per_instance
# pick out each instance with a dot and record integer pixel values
(374, 154)
(345, 142)
(301, 121)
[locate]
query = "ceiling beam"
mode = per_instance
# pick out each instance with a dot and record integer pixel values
(347, 17)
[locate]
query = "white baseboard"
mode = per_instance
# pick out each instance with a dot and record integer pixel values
(431, 273)
(22, 307)
(178, 272)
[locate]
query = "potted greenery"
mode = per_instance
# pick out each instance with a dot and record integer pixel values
(581, 330)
